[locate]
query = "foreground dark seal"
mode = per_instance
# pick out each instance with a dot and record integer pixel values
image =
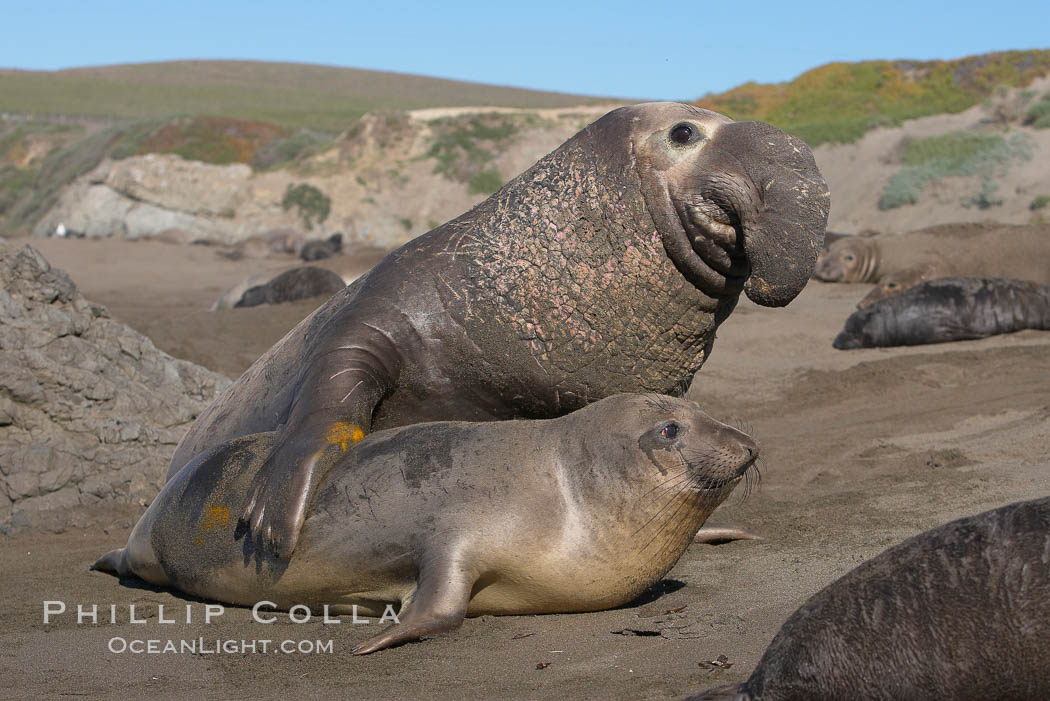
(604, 268)
(454, 519)
(948, 309)
(959, 612)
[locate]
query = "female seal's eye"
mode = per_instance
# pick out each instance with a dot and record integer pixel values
(682, 133)
(670, 431)
(848, 257)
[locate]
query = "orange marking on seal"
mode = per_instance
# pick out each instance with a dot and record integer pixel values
(215, 517)
(343, 433)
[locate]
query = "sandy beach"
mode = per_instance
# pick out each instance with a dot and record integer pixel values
(860, 449)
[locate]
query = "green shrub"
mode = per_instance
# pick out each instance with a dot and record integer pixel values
(14, 182)
(1039, 202)
(958, 153)
(311, 203)
(456, 149)
(407, 223)
(299, 145)
(485, 183)
(1038, 115)
(985, 198)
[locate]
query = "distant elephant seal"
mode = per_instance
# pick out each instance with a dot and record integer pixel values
(605, 268)
(983, 250)
(319, 249)
(958, 612)
(948, 309)
(265, 245)
(298, 283)
(454, 519)
(903, 280)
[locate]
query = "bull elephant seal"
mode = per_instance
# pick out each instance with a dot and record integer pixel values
(604, 268)
(454, 519)
(948, 309)
(986, 250)
(958, 612)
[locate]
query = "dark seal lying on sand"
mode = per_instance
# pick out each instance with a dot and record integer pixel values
(454, 519)
(948, 309)
(298, 283)
(959, 612)
(604, 268)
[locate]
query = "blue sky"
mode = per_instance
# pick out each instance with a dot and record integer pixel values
(676, 49)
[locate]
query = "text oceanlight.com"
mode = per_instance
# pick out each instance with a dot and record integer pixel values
(211, 646)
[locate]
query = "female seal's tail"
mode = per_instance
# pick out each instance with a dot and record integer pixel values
(115, 561)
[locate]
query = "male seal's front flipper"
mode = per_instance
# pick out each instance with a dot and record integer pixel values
(439, 604)
(331, 412)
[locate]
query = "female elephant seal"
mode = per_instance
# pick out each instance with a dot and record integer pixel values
(948, 309)
(988, 250)
(959, 612)
(454, 519)
(604, 268)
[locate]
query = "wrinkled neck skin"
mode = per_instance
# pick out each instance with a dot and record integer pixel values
(570, 259)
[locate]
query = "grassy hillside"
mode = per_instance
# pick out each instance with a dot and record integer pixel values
(264, 114)
(285, 94)
(840, 101)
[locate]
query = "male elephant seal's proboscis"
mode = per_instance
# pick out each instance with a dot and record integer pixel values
(604, 268)
(454, 519)
(948, 309)
(959, 612)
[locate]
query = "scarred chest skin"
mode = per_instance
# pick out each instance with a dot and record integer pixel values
(584, 288)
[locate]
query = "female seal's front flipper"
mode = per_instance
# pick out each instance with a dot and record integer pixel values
(438, 604)
(331, 412)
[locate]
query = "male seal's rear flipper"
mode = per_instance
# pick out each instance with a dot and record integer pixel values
(723, 533)
(438, 604)
(331, 412)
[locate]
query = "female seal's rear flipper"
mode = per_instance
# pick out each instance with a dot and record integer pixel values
(439, 604)
(114, 561)
(331, 412)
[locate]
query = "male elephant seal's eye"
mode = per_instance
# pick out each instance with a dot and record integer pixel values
(682, 133)
(670, 431)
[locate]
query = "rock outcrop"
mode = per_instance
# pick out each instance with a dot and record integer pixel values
(387, 179)
(90, 410)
